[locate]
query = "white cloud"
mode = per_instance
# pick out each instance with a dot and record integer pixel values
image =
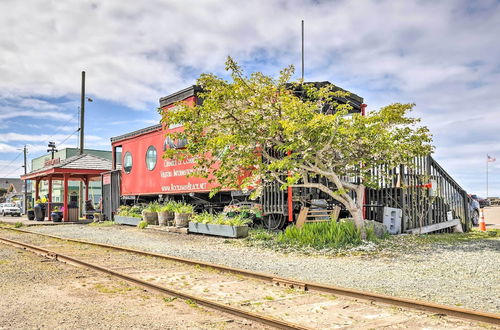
(443, 55)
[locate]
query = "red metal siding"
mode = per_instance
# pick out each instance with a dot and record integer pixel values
(168, 176)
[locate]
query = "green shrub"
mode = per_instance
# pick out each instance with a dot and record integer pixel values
(322, 235)
(142, 224)
(184, 208)
(168, 207)
(220, 219)
(152, 207)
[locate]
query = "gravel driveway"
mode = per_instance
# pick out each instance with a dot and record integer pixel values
(465, 274)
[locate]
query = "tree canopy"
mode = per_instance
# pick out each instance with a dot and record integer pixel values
(252, 129)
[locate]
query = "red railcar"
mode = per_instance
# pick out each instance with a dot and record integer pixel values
(140, 173)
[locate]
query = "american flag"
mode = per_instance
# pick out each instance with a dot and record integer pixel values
(490, 159)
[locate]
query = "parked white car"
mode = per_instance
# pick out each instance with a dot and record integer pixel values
(10, 208)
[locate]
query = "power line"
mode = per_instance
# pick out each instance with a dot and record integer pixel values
(69, 136)
(12, 161)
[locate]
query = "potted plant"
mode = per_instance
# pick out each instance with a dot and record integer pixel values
(39, 210)
(56, 214)
(219, 225)
(166, 213)
(183, 212)
(128, 215)
(150, 213)
(31, 214)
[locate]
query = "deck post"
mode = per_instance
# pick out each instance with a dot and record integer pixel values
(37, 189)
(65, 192)
(49, 201)
(86, 181)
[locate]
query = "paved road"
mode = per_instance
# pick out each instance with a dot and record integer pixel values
(492, 216)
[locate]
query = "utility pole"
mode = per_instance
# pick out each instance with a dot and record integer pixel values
(25, 183)
(82, 112)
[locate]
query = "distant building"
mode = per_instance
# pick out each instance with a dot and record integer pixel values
(73, 186)
(12, 191)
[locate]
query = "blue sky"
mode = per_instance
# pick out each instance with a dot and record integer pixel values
(442, 55)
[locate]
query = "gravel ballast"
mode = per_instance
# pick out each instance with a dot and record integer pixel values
(464, 274)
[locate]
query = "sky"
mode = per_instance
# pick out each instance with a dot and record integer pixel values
(444, 56)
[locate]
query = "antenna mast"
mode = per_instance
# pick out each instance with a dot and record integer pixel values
(302, 50)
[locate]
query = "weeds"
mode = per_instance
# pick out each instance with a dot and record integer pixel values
(102, 224)
(323, 235)
(18, 225)
(169, 299)
(142, 225)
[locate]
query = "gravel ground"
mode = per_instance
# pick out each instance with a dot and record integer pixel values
(464, 274)
(40, 294)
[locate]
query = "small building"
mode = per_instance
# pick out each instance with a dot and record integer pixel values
(85, 168)
(74, 186)
(12, 191)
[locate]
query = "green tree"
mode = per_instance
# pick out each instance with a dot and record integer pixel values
(243, 123)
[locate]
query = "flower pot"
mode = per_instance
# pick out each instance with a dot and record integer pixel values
(165, 218)
(39, 212)
(218, 230)
(182, 219)
(122, 220)
(56, 216)
(31, 214)
(150, 217)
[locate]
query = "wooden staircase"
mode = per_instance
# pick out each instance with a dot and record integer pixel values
(308, 215)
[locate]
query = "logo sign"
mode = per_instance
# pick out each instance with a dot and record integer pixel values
(49, 162)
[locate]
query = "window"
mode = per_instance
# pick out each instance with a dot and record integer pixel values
(151, 158)
(127, 162)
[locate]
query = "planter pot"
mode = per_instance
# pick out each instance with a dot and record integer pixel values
(132, 221)
(165, 218)
(56, 216)
(182, 219)
(218, 230)
(31, 214)
(150, 217)
(39, 212)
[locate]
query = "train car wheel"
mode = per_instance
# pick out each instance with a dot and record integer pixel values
(274, 221)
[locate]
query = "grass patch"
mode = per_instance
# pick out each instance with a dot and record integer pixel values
(191, 303)
(122, 288)
(18, 225)
(102, 224)
(169, 299)
(142, 225)
(331, 234)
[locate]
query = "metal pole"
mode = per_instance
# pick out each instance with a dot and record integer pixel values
(82, 112)
(25, 184)
(302, 50)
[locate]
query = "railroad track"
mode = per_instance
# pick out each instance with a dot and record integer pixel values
(288, 283)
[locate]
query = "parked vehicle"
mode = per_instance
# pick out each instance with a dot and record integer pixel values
(474, 210)
(482, 201)
(11, 209)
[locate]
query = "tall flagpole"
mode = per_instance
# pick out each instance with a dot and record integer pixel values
(487, 161)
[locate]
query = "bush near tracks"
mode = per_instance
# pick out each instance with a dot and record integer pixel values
(331, 234)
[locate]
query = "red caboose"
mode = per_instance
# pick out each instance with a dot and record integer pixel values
(141, 174)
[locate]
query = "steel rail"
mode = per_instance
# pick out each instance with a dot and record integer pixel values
(264, 319)
(463, 313)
